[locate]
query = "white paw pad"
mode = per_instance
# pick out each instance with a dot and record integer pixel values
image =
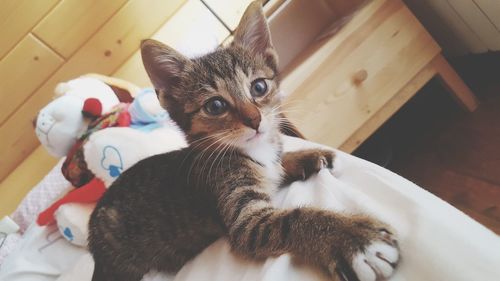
(377, 262)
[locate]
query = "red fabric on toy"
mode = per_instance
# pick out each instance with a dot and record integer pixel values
(88, 193)
(124, 119)
(88, 188)
(92, 107)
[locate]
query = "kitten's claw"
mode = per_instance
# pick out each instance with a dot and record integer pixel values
(323, 162)
(316, 160)
(301, 165)
(378, 261)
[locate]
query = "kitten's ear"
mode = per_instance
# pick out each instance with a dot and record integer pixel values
(253, 32)
(163, 64)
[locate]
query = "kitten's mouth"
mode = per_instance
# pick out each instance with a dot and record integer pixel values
(257, 135)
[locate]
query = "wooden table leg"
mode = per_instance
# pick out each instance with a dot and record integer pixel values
(454, 83)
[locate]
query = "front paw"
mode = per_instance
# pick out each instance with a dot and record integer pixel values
(300, 165)
(377, 261)
(374, 260)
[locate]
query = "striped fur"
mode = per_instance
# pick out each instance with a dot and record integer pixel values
(166, 209)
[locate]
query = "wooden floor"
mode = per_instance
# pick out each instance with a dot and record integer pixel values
(451, 153)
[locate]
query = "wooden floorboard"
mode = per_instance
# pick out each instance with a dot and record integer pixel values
(452, 153)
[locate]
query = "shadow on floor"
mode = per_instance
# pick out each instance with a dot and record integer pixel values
(452, 153)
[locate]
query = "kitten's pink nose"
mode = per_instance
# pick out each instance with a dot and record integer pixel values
(250, 116)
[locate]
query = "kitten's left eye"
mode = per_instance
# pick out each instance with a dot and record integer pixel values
(215, 106)
(258, 88)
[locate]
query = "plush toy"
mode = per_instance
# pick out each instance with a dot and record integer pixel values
(100, 140)
(65, 118)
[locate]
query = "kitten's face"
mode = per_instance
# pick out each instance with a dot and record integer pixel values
(228, 97)
(232, 96)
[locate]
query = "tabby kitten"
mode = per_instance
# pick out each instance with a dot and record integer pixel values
(166, 209)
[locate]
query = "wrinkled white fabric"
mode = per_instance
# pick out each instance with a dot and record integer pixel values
(51, 187)
(438, 242)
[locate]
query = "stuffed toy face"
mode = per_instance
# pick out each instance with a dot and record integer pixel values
(60, 123)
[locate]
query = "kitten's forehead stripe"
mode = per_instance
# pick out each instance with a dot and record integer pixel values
(229, 72)
(244, 84)
(225, 92)
(224, 63)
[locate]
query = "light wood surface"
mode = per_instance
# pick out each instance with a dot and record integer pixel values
(72, 22)
(385, 41)
(229, 12)
(23, 179)
(23, 70)
(438, 66)
(391, 107)
(17, 17)
(103, 53)
(296, 25)
(192, 28)
(342, 8)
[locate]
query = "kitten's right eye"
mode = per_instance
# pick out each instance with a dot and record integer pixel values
(259, 88)
(215, 106)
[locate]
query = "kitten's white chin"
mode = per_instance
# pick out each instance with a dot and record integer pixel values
(261, 148)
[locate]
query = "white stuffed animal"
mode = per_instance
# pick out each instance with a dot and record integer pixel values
(107, 152)
(62, 119)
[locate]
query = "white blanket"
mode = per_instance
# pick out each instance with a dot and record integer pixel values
(438, 242)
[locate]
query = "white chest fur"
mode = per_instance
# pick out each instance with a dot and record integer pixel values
(267, 154)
